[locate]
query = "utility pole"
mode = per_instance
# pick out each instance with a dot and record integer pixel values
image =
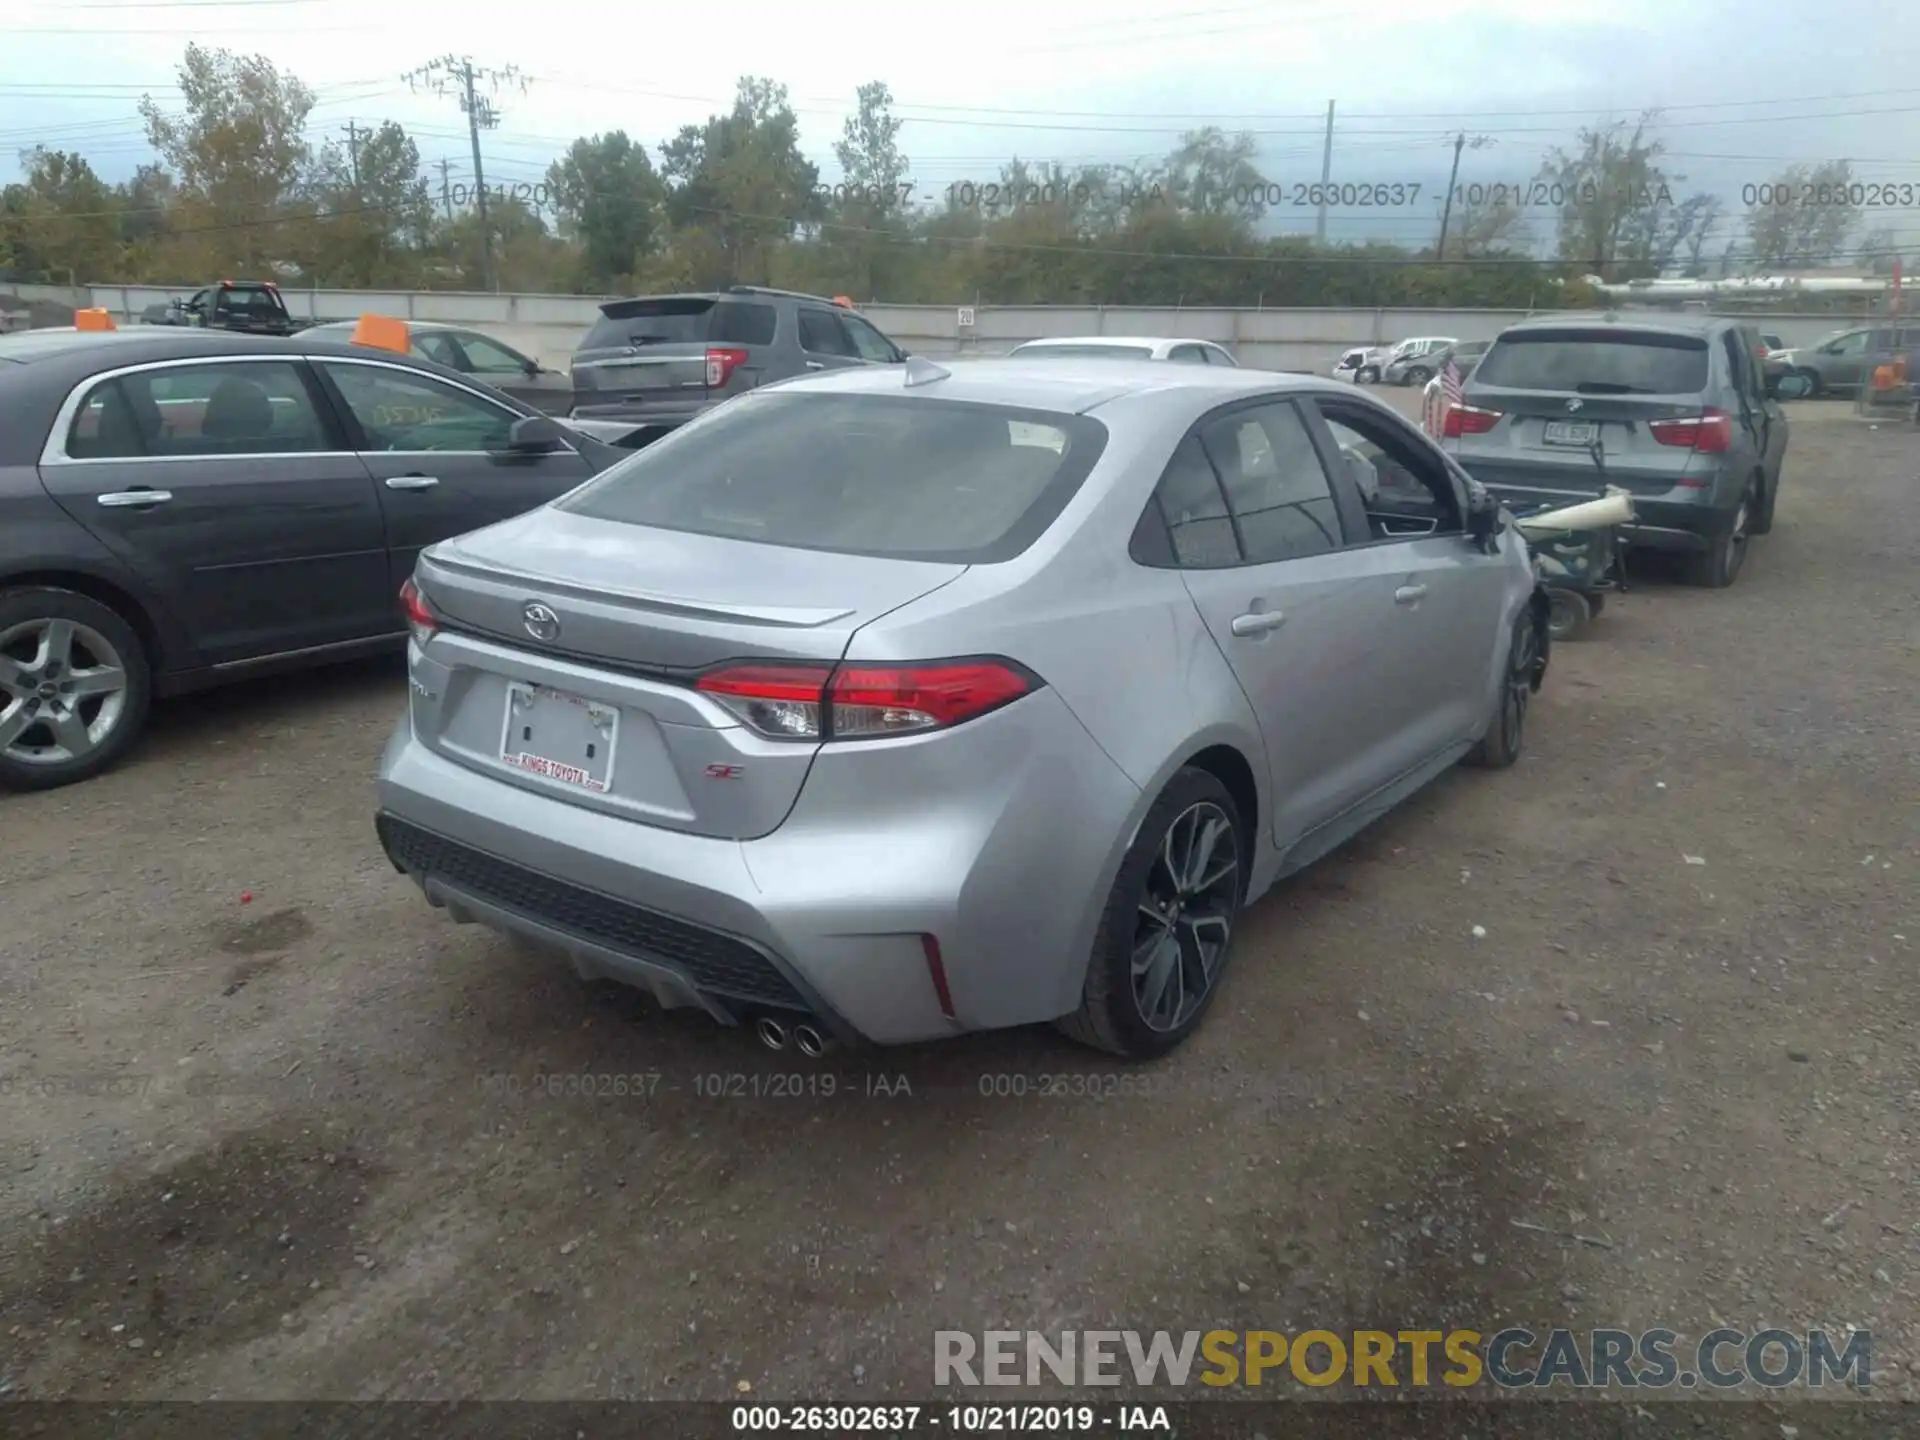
(353, 156)
(1326, 177)
(1460, 142)
(445, 167)
(457, 75)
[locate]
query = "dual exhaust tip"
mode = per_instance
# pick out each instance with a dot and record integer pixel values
(807, 1040)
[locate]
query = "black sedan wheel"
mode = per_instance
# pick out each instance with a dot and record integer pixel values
(74, 688)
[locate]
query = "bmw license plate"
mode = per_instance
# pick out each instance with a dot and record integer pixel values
(1571, 432)
(564, 737)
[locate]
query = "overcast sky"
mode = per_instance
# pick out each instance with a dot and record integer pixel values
(1745, 87)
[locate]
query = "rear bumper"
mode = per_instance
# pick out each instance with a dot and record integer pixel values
(1003, 851)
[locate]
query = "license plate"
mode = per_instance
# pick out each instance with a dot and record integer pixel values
(563, 737)
(1571, 432)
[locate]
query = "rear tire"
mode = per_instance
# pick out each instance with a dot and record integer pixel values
(1727, 555)
(1506, 733)
(1167, 932)
(1812, 377)
(1418, 376)
(74, 687)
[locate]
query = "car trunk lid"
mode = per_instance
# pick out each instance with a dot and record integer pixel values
(569, 646)
(1550, 398)
(640, 350)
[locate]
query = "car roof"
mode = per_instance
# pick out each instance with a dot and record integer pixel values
(48, 363)
(1665, 321)
(1072, 384)
(1152, 342)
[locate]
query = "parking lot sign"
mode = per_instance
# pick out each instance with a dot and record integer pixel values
(966, 317)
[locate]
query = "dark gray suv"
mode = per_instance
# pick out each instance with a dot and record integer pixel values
(1674, 408)
(658, 361)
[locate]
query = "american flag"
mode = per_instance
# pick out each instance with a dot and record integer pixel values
(1450, 387)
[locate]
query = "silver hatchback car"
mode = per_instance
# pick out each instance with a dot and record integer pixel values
(891, 704)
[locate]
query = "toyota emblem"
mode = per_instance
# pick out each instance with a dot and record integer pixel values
(541, 622)
(1573, 405)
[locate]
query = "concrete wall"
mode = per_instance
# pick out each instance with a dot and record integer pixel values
(549, 326)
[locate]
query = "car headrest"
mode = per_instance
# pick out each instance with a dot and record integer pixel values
(237, 410)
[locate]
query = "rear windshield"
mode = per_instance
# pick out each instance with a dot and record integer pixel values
(1105, 352)
(680, 321)
(650, 322)
(886, 475)
(1597, 362)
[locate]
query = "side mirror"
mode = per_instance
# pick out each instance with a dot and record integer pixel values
(534, 435)
(1792, 387)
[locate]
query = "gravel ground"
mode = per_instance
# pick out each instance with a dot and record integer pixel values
(323, 1169)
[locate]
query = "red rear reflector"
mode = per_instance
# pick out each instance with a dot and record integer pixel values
(1710, 433)
(858, 702)
(937, 972)
(721, 364)
(420, 616)
(1467, 420)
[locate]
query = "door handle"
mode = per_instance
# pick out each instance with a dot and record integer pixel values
(1258, 623)
(412, 482)
(1408, 594)
(135, 499)
(815, 365)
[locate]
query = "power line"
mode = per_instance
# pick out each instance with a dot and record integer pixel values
(474, 88)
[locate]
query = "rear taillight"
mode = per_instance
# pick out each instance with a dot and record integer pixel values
(1711, 433)
(784, 702)
(420, 617)
(1467, 420)
(864, 702)
(721, 364)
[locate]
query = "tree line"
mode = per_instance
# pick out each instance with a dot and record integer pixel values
(238, 190)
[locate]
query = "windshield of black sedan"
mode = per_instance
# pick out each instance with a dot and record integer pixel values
(1590, 362)
(887, 475)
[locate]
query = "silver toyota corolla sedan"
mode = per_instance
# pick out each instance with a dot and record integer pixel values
(891, 704)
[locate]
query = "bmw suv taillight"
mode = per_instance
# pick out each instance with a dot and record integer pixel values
(1467, 420)
(420, 617)
(865, 702)
(721, 363)
(1710, 432)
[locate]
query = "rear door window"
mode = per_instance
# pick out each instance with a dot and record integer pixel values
(641, 323)
(1194, 510)
(1277, 491)
(740, 322)
(1597, 362)
(259, 408)
(1187, 355)
(892, 476)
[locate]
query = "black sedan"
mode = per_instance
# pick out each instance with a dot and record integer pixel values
(180, 508)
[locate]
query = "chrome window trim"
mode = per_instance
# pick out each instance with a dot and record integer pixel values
(54, 451)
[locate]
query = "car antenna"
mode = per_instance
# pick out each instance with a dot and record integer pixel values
(924, 372)
(1598, 451)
